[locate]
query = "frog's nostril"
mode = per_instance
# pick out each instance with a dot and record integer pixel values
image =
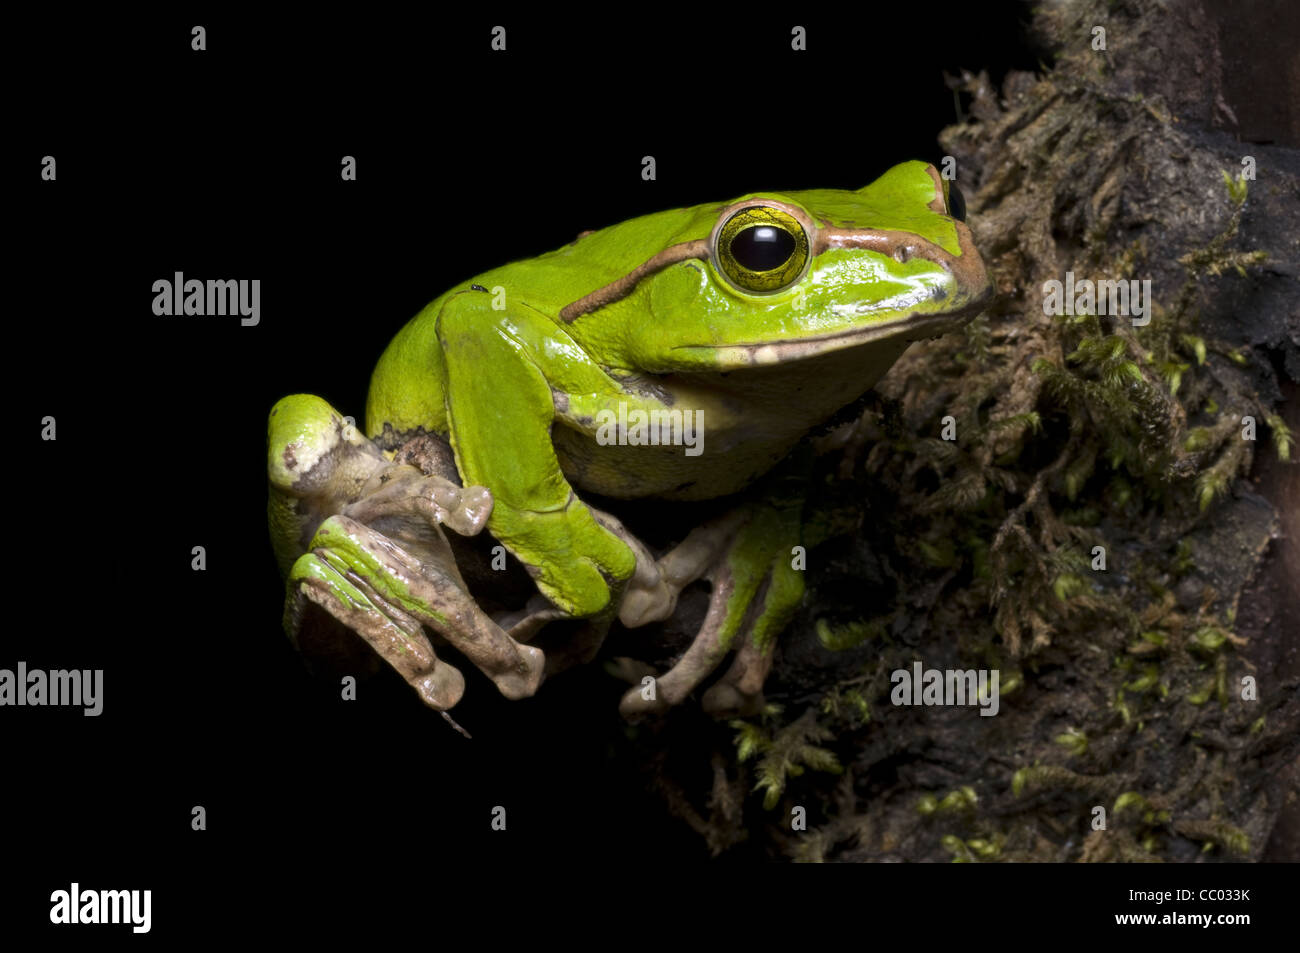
(902, 253)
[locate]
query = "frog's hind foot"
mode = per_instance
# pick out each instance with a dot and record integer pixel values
(755, 593)
(395, 636)
(702, 657)
(739, 693)
(386, 595)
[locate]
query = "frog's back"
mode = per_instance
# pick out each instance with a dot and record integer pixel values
(408, 387)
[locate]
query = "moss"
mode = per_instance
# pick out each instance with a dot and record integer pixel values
(1052, 464)
(1216, 834)
(1072, 536)
(1073, 740)
(850, 635)
(848, 705)
(783, 752)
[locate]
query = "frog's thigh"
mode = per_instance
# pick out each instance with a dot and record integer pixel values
(395, 636)
(432, 596)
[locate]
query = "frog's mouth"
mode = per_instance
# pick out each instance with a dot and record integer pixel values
(902, 331)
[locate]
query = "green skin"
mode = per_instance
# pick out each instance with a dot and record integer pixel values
(513, 368)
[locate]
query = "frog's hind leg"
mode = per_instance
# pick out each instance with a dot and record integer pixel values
(740, 691)
(708, 649)
(756, 591)
(689, 561)
(386, 594)
(396, 637)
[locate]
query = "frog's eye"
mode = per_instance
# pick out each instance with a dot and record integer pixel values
(762, 249)
(956, 202)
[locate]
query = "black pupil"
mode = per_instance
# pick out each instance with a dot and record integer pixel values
(762, 247)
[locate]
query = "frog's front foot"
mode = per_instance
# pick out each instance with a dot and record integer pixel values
(645, 597)
(746, 557)
(376, 558)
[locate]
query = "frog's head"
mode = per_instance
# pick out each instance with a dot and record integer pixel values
(774, 278)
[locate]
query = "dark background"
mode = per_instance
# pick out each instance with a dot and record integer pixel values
(225, 164)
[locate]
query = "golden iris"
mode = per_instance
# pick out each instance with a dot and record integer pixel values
(762, 249)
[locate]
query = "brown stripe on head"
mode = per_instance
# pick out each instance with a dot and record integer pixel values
(967, 267)
(622, 287)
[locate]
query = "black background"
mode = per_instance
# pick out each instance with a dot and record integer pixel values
(225, 164)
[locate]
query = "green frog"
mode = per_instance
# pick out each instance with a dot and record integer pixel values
(677, 356)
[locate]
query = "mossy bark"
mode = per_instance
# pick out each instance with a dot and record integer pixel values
(1122, 688)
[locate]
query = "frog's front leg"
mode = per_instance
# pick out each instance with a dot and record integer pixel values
(746, 556)
(660, 585)
(500, 411)
(648, 597)
(374, 556)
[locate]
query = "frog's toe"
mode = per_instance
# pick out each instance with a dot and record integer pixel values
(725, 701)
(643, 604)
(524, 624)
(440, 689)
(722, 700)
(707, 649)
(522, 679)
(635, 704)
(395, 637)
(387, 595)
(627, 669)
(740, 691)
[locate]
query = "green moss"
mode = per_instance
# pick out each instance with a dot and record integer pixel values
(1073, 740)
(846, 704)
(1078, 432)
(839, 638)
(783, 752)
